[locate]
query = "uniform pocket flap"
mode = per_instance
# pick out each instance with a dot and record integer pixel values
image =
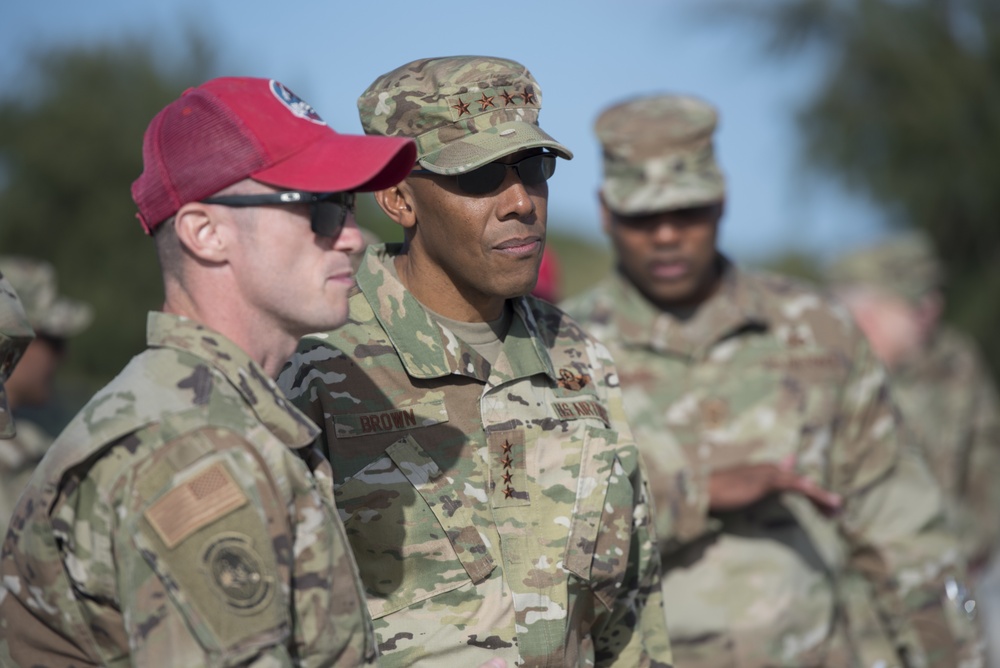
(601, 534)
(438, 492)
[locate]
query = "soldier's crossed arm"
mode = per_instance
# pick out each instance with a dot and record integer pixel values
(893, 518)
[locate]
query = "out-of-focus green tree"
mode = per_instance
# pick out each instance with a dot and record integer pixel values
(799, 264)
(71, 131)
(908, 114)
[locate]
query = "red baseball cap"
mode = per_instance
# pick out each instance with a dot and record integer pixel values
(233, 128)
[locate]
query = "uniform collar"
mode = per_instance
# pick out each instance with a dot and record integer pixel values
(258, 390)
(428, 349)
(733, 307)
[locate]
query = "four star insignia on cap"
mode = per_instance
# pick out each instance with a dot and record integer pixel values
(485, 102)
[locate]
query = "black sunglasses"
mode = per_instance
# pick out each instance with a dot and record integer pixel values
(327, 211)
(533, 170)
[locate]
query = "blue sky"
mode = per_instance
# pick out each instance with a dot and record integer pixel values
(585, 54)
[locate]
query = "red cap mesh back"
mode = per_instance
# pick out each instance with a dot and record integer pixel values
(233, 128)
(194, 147)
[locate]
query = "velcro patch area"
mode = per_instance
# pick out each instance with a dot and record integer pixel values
(195, 503)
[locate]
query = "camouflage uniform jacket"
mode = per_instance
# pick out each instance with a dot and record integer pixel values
(182, 518)
(493, 511)
(18, 458)
(950, 403)
(762, 371)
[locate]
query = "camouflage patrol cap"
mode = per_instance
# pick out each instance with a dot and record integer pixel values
(905, 266)
(658, 155)
(48, 312)
(15, 335)
(463, 111)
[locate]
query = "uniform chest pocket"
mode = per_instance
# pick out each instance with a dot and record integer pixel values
(601, 531)
(411, 531)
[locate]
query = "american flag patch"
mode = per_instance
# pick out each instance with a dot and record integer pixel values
(195, 503)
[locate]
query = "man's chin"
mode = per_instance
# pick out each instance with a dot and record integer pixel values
(674, 290)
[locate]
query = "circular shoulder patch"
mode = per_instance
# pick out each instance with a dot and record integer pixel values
(236, 573)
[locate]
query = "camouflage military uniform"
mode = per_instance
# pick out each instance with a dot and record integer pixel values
(52, 316)
(951, 405)
(942, 385)
(759, 370)
(19, 455)
(183, 516)
(493, 510)
(767, 369)
(15, 335)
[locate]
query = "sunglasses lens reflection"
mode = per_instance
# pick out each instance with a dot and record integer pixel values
(329, 217)
(532, 171)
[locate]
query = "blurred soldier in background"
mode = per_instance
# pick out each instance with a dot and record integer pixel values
(55, 319)
(939, 378)
(487, 477)
(15, 336)
(791, 442)
(942, 385)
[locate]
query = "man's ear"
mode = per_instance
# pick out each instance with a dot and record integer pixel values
(200, 232)
(397, 202)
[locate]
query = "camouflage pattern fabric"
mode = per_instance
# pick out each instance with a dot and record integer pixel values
(48, 311)
(659, 155)
(49, 314)
(951, 406)
(494, 511)
(19, 456)
(762, 371)
(948, 400)
(182, 518)
(15, 335)
(462, 111)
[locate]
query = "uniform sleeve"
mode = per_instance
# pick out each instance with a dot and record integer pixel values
(209, 551)
(199, 538)
(634, 631)
(894, 521)
(979, 489)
